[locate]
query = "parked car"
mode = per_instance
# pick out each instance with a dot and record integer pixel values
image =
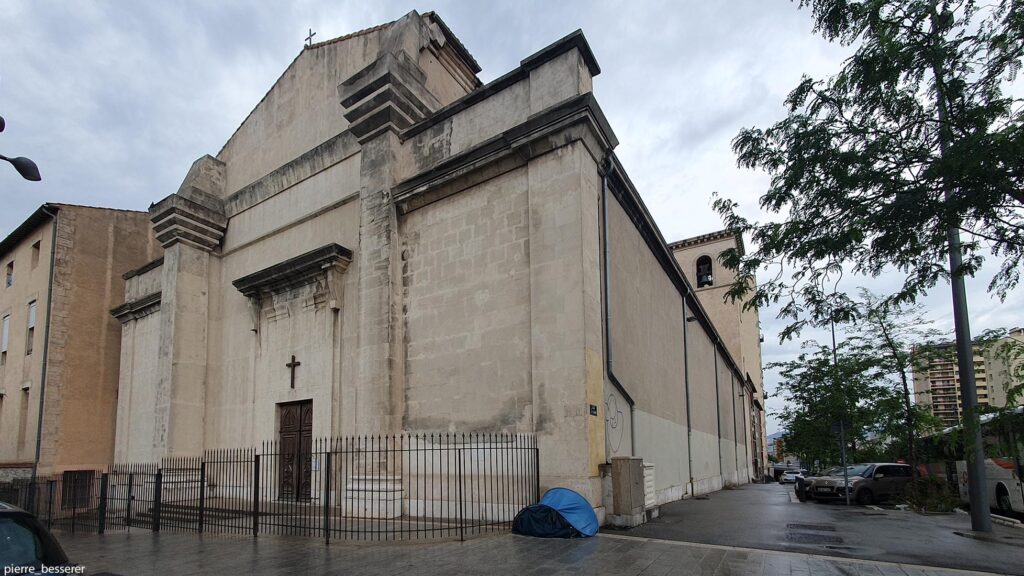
(805, 482)
(868, 483)
(789, 476)
(25, 543)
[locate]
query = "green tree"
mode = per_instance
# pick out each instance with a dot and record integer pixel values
(893, 335)
(819, 393)
(916, 133)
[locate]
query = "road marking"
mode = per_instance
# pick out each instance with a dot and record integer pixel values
(792, 497)
(905, 567)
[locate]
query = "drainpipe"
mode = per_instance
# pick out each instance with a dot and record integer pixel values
(606, 167)
(46, 340)
(735, 429)
(718, 416)
(686, 389)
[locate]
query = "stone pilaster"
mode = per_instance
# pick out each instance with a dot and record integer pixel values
(190, 224)
(379, 102)
(371, 407)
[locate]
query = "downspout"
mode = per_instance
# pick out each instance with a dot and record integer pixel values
(735, 429)
(46, 341)
(606, 167)
(686, 390)
(718, 417)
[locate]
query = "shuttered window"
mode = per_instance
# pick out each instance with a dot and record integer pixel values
(31, 334)
(5, 338)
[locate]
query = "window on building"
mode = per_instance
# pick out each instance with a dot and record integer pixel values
(5, 338)
(704, 277)
(35, 255)
(9, 274)
(30, 334)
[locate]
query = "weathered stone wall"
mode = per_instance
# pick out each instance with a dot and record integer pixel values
(499, 111)
(246, 374)
(138, 378)
(302, 109)
(647, 351)
(727, 418)
(501, 314)
(299, 112)
(466, 285)
(563, 337)
(143, 284)
(724, 315)
(19, 408)
(9, 473)
(94, 248)
(740, 329)
(704, 418)
(84, 355)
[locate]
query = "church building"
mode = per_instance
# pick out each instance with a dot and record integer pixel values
(387, 245)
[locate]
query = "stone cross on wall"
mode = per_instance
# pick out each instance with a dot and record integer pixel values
(309, 39)
(292, 366)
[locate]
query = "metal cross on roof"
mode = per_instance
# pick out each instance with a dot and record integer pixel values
(309, 39)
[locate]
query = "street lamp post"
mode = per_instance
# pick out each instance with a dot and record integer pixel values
(835, 370)
(24, 166)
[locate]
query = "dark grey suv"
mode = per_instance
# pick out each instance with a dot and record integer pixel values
(25, 542)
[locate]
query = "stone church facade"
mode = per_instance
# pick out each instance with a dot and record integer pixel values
(386, 245)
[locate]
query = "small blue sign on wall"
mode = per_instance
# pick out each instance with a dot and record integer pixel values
(593, 409)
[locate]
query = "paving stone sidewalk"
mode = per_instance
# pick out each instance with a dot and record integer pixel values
(145, 553)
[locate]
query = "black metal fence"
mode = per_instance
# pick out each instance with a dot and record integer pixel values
(398, 487)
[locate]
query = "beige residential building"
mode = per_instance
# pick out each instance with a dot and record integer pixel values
(995, 373)
(388, 245)
(740, 329)
(59, 347)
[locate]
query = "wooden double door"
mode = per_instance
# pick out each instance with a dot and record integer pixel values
(295, 435)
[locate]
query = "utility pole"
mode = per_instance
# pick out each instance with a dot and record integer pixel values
(981, 517)
(835, 374)
(842, 418)
(974, 450)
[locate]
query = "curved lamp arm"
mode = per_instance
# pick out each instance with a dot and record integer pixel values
(25, 167)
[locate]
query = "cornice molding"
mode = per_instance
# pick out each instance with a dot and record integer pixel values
(296, 271)
(576, 119)
(137, 308)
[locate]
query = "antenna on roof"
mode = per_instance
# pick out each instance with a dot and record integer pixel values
(309, 39)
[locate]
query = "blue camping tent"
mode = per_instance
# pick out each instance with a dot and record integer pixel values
(561, 513)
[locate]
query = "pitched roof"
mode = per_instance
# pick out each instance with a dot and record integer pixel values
(355, 34)
(40, 217)
(455, 42)
(318, 45)
(35, 220)
(449, 36)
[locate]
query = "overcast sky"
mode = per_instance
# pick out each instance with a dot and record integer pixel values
(115, 100)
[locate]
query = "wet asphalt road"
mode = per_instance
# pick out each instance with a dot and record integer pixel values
(764, 516)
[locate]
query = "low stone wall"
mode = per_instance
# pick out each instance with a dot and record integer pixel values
(7, 474)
